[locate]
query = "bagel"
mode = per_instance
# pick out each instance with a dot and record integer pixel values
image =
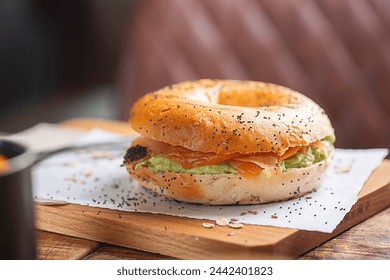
(225, 142)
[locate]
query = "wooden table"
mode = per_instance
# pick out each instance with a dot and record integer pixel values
(368, 240)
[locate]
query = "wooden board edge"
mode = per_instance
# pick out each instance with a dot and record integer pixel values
(364, 208)
(109, 125)
(161, 241)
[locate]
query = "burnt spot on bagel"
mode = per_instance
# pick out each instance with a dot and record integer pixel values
(135, 153)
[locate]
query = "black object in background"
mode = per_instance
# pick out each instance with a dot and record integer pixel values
(17, 232)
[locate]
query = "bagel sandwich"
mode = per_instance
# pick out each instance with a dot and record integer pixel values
(226, 142)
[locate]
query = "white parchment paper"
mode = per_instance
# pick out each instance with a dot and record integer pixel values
(94, 177)
(45, 136)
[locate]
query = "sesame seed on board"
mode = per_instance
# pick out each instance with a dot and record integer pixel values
(222, 222)
(236, 225)
(208, 225)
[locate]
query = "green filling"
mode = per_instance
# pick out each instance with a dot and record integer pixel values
(330, 138)
(313, 155)
(299, 160)
(161, 164)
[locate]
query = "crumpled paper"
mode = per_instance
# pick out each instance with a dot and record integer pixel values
(95, 177)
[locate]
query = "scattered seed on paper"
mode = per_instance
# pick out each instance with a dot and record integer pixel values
(343, 169)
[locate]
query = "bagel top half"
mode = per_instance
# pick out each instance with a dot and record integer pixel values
(227, 117)
(224, 142)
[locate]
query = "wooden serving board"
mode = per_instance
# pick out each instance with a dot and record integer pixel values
(185, 238)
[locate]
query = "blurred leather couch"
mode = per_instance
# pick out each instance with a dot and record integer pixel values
(336, 52)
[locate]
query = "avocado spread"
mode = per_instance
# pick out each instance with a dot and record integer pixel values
(299, 160)
(330, 138)
(161, 164)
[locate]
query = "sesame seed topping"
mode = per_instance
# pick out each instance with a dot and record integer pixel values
(235, 225)
(208, 225)
(222, 222)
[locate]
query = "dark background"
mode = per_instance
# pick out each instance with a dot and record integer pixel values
(58, 60)
(93, 58)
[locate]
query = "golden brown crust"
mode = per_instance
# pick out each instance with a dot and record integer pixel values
(228, 189)
(226, 116)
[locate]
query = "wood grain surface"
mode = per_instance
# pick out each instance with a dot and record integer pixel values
(183, 237)
(61, 247)
(368, 240)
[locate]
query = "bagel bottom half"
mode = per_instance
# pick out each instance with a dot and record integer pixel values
(230, 189)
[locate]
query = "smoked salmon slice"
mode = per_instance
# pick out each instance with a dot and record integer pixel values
(249, 163)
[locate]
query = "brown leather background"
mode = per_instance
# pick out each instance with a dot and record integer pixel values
(336, 52)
